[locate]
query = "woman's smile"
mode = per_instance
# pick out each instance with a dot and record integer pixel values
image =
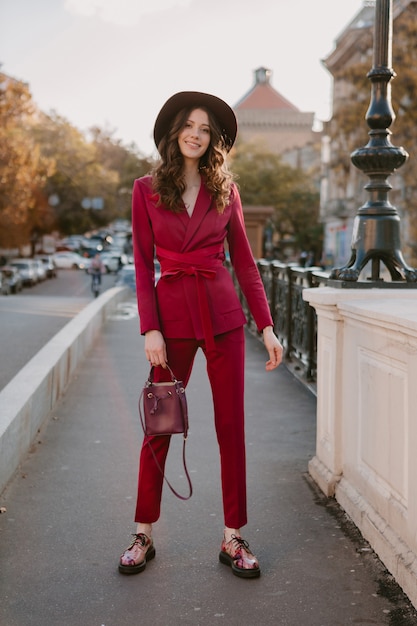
(194, 138)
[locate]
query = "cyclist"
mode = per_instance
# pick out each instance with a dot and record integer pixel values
(96, 270)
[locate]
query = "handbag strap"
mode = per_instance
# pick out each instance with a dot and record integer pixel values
(148, 441)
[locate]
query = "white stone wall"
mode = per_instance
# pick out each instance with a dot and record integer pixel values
(28, 399)
(366, 451)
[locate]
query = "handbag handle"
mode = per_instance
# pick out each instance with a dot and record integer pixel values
(151, 371)
(185, 417)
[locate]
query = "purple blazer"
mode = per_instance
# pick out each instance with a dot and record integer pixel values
(174, 305)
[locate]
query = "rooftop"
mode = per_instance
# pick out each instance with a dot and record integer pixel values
(262, 96)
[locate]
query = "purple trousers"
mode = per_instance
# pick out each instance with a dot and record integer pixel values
(225, 368)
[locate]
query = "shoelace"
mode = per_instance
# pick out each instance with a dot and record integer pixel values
(241, 543)
(139, 538)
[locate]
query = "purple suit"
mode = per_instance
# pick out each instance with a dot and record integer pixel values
(195, 304)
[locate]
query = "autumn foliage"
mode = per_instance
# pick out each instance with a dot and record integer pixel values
(48, 168)
(23, 170)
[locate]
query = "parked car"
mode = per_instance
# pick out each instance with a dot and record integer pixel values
(49, 264)
(69, 260)
(88, 252)
(40, 270)
(27, 271)
(73, 242)
(113, 261)
(13, 278)
(4, 285)
(120, 240)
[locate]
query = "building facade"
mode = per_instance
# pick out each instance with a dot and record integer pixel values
(342, 186)
(265, 116)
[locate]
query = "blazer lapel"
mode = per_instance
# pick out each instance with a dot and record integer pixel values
(202, 205)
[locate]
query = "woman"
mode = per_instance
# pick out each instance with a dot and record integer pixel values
(184, 213)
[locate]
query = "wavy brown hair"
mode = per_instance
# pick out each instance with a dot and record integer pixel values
(168, 176)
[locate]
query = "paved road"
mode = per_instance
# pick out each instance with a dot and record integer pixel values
(30, 319)
(70, 509)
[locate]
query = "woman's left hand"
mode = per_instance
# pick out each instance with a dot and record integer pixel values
(274, 348)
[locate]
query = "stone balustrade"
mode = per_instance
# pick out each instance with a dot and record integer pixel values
(367, 417)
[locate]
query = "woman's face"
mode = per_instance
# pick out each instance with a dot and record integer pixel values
(194, 138)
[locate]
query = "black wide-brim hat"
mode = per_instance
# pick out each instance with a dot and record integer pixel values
(194, 99)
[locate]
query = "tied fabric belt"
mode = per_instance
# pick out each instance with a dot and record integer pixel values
(202, 265)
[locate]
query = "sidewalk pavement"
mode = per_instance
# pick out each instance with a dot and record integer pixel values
(69, 513)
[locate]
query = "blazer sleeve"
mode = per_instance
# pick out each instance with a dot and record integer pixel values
(143, 251)
(246, 270)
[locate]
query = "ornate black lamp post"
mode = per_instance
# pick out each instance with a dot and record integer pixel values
(376, 230)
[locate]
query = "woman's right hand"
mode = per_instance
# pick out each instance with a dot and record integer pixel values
(155, 348)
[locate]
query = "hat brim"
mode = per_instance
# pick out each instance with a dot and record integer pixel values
(186, 99)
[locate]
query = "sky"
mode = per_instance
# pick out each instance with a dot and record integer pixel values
(113, 63)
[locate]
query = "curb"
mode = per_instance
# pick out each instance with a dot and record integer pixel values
(28, 399)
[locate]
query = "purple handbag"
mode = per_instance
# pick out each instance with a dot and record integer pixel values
(165, 407)
(163, 411)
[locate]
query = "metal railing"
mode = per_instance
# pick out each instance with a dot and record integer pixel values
(295, 321)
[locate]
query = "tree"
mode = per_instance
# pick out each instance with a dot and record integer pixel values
(265, 180)
(99, 171)
(404, 98)
(127, 161)
(51, 174)
(23, 170)
(78, 175)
